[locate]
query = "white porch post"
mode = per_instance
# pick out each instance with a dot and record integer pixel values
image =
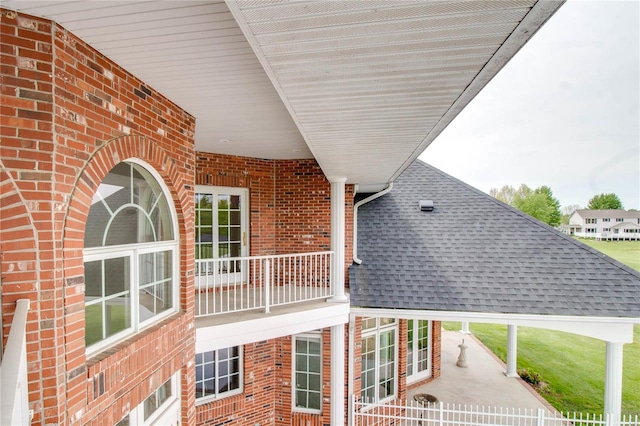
(613, 381)
(337, 238)
(337, 374)
(465, 328)
(512, 351)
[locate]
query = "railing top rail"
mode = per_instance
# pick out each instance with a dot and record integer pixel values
(266, 256)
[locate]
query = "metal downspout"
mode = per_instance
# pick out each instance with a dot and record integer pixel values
(355, 218)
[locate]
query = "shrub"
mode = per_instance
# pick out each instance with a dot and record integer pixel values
(529, 376)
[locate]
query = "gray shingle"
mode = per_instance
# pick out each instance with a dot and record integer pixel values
(476, 254)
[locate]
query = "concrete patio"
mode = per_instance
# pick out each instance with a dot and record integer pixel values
(482, 383)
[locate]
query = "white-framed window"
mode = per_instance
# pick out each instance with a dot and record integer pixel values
(606, 229)
(606, 219)
(218, 373)
(418, 349)
(591, 220)
(130, 255)
(591, 230)
(221, 229)
(378, 376)
(619, 219)
(162, 407)
(307, 372)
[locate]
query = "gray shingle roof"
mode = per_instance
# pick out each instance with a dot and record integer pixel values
(613, 214)
(476, 254)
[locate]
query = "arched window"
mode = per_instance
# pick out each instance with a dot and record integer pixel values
(130, 255)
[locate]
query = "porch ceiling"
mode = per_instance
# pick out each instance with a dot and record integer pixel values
(362, 86)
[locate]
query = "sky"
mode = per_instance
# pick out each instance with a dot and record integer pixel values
(564, 112)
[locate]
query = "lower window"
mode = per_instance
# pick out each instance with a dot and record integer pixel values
(418, 349)
(162, 407)
(378, 373)
(219, 373)
(307, 372)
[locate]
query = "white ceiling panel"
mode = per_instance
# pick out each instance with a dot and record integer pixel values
(362, 86)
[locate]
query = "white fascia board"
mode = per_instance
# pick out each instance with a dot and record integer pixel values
(530, 24)
(609, 329)
(270, 327)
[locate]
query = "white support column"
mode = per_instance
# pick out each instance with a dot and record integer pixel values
(613, 381)
(512, 351)
(337, 374)
(337, 238)
(465, 328)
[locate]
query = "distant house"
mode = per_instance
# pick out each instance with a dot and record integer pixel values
(604, 224)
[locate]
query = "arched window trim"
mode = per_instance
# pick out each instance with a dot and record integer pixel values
(133, 251)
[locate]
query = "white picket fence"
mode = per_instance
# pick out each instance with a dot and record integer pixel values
(412, 413)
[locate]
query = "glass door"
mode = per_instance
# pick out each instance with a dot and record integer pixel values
(221, 231)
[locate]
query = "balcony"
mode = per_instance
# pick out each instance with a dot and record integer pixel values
(14, 408)
(244, 299)
(261, 282)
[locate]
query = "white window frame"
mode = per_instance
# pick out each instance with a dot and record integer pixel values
(244, 209)
(294, 387)
(424, 374)
(166, 414)
(376, 332)
(221, 395)
(133, 251)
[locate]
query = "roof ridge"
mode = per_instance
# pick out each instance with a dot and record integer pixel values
(535, 221)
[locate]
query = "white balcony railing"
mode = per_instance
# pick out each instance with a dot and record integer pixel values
(260, 282)
(627, 236)
(412, 413)
(14, 389)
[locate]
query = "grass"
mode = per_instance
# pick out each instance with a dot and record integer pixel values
(572, 366)
(627, 252)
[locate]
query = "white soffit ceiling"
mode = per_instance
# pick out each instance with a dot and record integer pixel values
(367, 84)
(194, 53)
(371, 83)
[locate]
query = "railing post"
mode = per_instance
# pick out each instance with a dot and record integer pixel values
(267, 285)
(540, 421)
(14, 401)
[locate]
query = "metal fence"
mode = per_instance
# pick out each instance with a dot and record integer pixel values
(412, 413)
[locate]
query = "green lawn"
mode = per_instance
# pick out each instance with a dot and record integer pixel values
(627, 252)
(572, 366)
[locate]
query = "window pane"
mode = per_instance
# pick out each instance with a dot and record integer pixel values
(314, 400)
(93, 317)
(117, 315)
(96, 223)
(116, 275)
(235, 202)
(92, 280)
(307, 372)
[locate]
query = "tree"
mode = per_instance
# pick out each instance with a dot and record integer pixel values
(539, 203)
(554, 217)
(504, 194)
(605, 202)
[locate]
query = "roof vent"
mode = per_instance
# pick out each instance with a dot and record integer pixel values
(426, 205)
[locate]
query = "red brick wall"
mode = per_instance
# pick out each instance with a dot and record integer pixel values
(256, 404)
(68, 116)
(290, 212)
(290, 202)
